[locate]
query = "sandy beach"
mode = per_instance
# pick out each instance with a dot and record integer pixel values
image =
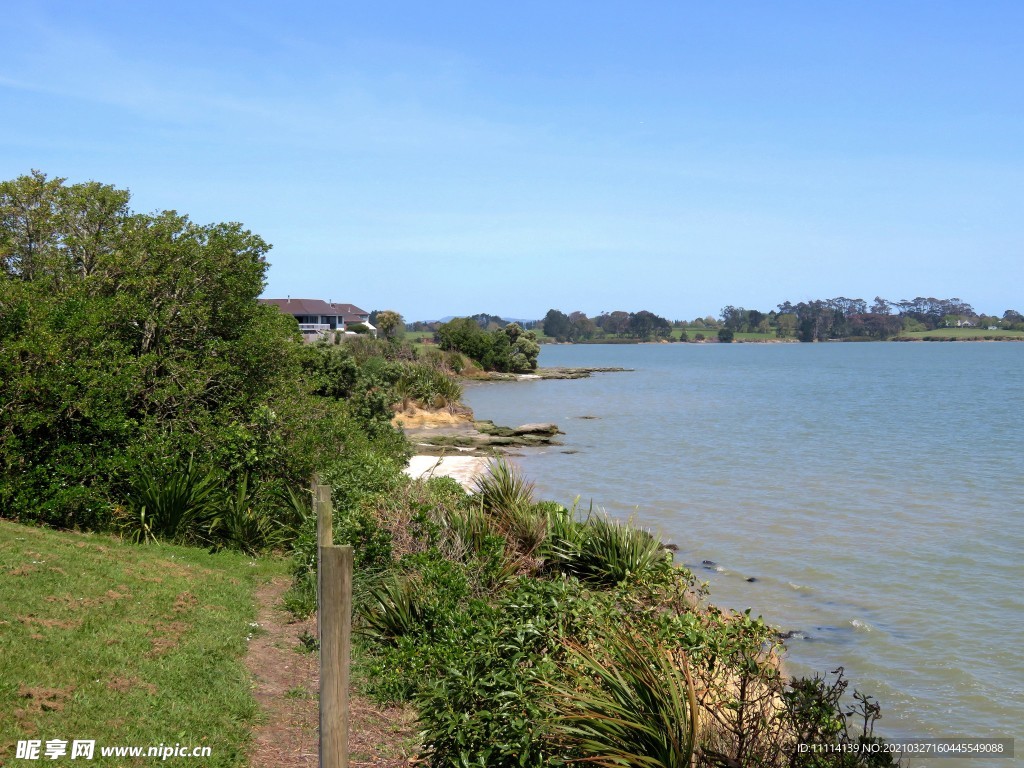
(464, 469)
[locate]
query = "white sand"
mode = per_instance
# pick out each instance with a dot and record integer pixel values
(464, 469)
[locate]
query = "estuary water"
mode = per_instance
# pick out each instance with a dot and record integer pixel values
(874, 493)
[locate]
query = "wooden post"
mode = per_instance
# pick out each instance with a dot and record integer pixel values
(324, 509)
(324, 516)
(335, 640)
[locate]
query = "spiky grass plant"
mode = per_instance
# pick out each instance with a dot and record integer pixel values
(613, 551)
(393, 608)
(174, 505)
(602, 551)
(502, 488)
(467, 531)
(634, 705)
(427, 385)
(239, 523)
(507, 497)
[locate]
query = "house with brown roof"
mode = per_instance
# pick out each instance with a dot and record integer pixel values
(318, 318)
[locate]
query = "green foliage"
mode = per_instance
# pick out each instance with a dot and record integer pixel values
(239, 524)
(606, 552)
(395, 608)
(427, 386)
(816, 710)
(634, 704)
(485, 707)
(502, 488)
(464, 335)
(176, 504)
(390, 324)
(188, 505)
(130, 341)
(508, 349)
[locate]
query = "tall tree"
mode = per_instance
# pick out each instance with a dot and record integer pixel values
(556, 325)
(124, 338)
(390, 324)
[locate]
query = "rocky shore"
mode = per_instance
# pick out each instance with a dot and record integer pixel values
(467, 444)
(549, 373)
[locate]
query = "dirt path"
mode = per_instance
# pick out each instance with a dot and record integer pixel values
(285, 683)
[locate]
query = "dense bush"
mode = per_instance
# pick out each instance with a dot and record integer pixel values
(132, 346)
(507, 349)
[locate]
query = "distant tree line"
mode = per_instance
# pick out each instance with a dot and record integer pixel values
(814, 320)
(840, 318)
(576, 327)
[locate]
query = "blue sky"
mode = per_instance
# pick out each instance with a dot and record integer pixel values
(451, 158)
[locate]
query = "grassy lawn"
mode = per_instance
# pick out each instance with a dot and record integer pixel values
(124, 644)
(963, 333)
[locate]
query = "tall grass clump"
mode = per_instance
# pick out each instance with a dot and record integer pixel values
(394, 608)
(632, 705)
(427, 386)
(502, 488)
(604, 552)
(173, 505)
(238, 522)
(507, 497)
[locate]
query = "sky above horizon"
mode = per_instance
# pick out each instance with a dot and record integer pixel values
(452, 158)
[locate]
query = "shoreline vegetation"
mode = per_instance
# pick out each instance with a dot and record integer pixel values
(741, 711)
(837, 319)
(150, 400)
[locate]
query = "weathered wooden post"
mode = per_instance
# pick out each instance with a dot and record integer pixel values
(324, 515)
(324, 510)
(335, 641)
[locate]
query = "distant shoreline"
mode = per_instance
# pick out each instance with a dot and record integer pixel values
(847, 340)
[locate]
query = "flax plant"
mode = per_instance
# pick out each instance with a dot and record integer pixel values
(633, 706)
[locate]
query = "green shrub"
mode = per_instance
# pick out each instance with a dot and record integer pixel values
(427, 386)
(634, 704)
(503, 488)
(606, 552)
(394, 608)
(175, 504)
(238, 523)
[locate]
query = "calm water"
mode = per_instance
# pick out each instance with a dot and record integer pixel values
(875, 491)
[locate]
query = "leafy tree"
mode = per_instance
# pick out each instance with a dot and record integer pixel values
(1013, 320)
(581, 327)
(489, 322)
(875, 325)
(512, 350)
(881, 306)
(726, 335)
(556, 325)
(615, 323)
(464, 334)
(132, 342)
(733, 317)
(644, 325)
(390, 324)
(508, 349)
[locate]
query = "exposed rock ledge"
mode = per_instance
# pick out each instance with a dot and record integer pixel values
(549, 373)
(479, 437)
